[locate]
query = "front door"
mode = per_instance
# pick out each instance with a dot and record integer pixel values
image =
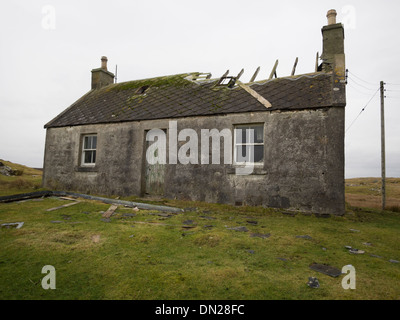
(154, 174)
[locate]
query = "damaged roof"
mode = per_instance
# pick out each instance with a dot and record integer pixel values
(178, 96)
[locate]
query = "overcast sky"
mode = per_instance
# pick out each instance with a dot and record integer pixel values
(48, 49)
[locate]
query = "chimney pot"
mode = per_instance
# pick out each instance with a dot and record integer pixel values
(104, 62)
(331, 15)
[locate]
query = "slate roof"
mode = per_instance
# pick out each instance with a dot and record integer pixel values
(178, 96)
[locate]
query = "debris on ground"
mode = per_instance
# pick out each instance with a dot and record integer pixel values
(304, 237)
(260, 235)
(354, 250)
(241, 228)
(17, 225)
(63, 206)
(326, 269)
(253, 222)
(313, 282)
(110, 211)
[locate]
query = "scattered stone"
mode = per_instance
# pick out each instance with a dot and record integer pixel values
(208, 226)
(253, 222)
(7, 171)
(313, 282)
(367, 244)
(188, 227)
(105, 219)
(356, 251)
(393, 261)
(17, 225)
(188, 222)
(38, 199)
(131, 236)
(208, 218)
(282, 259)
(135, 209)
(86, 212)
(323, 248)
(375, 256)
(354, 230)
(161, 214)
(325, 269)
(129, 215)
(241, 228)
(190, 209)
(66, 217)
(56, 221)
(260, 235)
(251, 251)
(304, 237)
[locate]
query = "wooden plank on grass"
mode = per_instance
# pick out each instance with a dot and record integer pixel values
(63, 206)
(110, 211)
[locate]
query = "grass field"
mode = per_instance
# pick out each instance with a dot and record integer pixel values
(194, 255)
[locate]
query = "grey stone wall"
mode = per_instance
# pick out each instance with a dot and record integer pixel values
(303, 161)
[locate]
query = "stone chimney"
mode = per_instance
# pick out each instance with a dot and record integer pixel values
(102, 77)
(333, 58)
(333, 43)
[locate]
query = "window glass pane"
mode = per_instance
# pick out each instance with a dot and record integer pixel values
(94, 142)
(249, 153)
(86, 143)
(94, 156)
(87, 156)
(258, 153)
(240, 135)
(258, 134)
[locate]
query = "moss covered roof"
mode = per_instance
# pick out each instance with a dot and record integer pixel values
(177, 96)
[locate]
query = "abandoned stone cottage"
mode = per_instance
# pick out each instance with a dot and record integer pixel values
(100, 144)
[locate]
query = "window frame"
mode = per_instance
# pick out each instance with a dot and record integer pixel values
(235, 144)
(84, 150)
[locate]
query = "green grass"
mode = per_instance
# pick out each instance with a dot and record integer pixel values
(148, 256)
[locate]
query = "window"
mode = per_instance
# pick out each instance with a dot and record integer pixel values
(89, 145)
(249, 144)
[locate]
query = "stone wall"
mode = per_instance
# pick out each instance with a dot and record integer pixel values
(303, 161)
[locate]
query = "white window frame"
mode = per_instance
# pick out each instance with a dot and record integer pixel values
(236, 144)
(91, 149)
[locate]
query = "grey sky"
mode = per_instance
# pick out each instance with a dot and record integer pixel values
(46, 63)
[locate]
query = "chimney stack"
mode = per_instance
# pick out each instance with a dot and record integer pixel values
(333, 42)
(333, 58)
(331, 15)
(104, 62)
(101, 76)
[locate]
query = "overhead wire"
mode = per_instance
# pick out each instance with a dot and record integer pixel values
(362, 110)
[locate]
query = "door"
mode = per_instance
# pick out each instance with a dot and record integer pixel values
(154, 173)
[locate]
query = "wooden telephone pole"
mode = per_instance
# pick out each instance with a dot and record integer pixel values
(383, 165)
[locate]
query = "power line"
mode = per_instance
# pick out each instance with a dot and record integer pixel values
(362, 109)
(370, 89)
(374, 84)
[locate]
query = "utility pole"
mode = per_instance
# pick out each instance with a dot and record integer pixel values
(383, 165)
